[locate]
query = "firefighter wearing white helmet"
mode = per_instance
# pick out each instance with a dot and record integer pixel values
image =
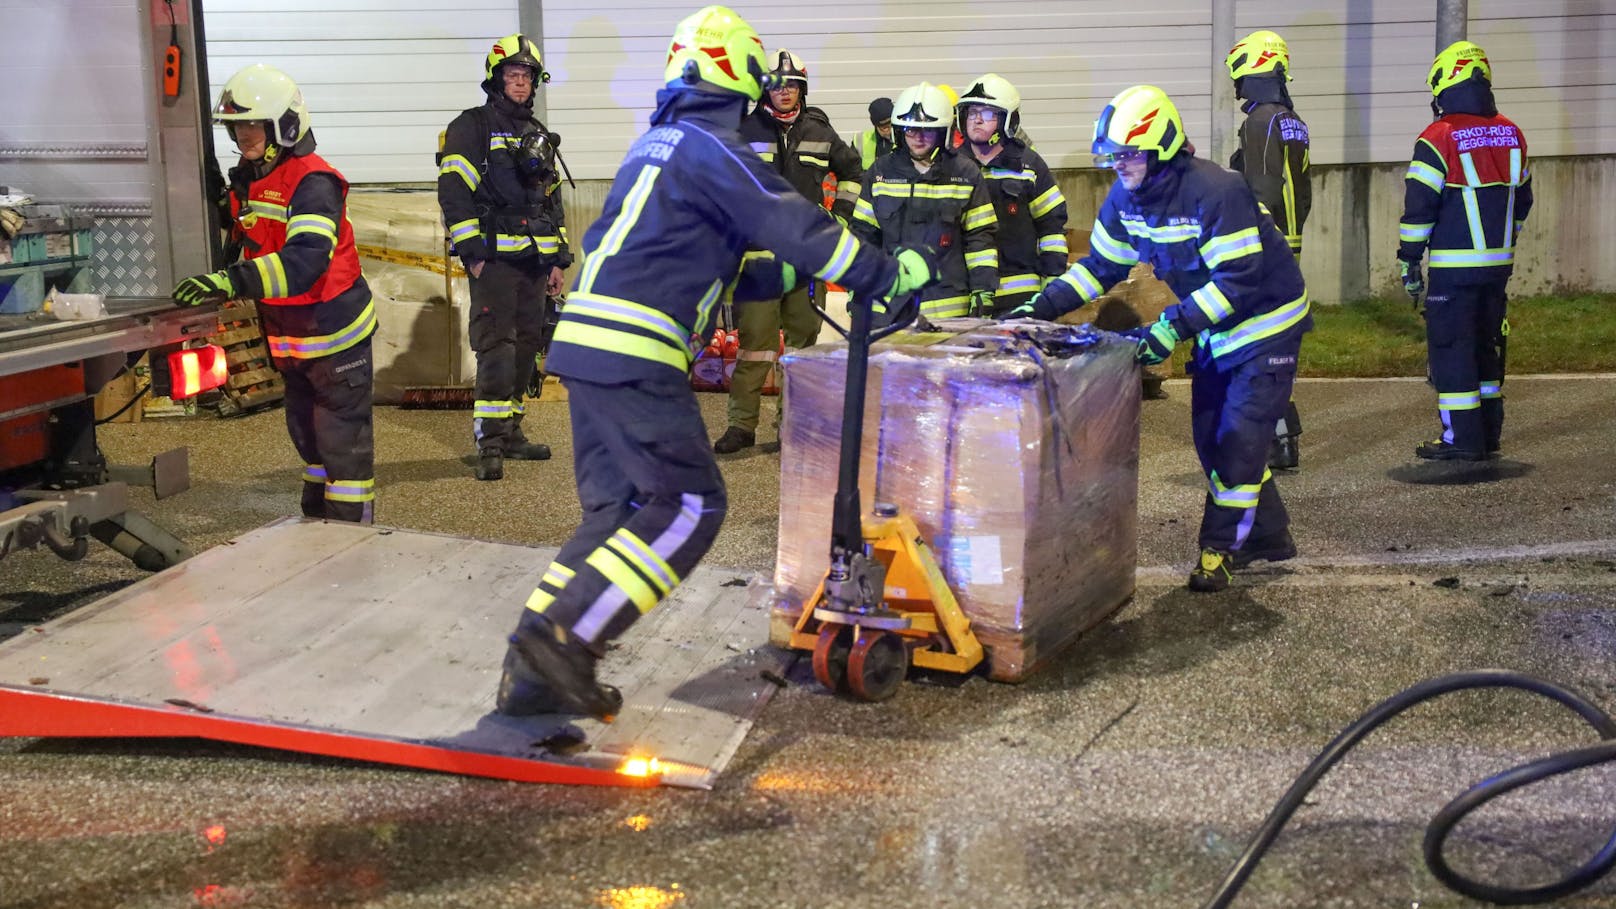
(690, 204)
(926, 194)
(499, 187)
(1031, 211)
(801, 144)
(1241, 298)
(290, 219)
(1272, 155)
(1469, 190)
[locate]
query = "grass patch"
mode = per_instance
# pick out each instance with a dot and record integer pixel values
(1385, 337)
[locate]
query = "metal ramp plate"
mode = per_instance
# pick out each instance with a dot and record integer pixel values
(385, 645)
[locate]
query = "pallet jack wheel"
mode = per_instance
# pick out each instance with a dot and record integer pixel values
(876, 665)
(830, 656)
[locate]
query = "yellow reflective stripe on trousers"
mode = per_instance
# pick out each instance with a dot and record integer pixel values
(1242, 496)
(350, 490)
(1256, 328)
(638, 553)
(307, 348)
(314, 473)
(491, 410)
(612, 243)
(1458, 400)
(622, 577)
(458, 164)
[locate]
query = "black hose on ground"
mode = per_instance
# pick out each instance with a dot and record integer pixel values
(1436, 833)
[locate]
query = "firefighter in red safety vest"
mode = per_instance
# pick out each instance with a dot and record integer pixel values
(500, 190)
(1468, 192)
(1031, 212)
(690, 204)
(298, 261)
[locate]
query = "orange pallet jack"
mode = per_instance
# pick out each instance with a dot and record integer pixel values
(884, 603)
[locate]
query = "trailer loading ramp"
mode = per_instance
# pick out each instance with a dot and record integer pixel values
(385, 645)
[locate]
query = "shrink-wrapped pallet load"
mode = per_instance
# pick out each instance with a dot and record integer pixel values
(1015, 447)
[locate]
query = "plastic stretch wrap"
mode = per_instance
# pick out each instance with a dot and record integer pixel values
(1014, 446)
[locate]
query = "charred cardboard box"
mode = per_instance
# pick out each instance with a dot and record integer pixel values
(1015, 447)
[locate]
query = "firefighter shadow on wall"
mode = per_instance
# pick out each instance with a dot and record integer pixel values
(1160, 633)
(1458, 473)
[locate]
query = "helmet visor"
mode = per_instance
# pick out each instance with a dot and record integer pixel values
(1121, 155)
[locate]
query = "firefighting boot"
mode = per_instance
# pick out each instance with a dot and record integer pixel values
(1212, 572)
(490, 464)
(1151, 385)
(313, 500)
(518, 448)
(524, 693)
(1438, 450)
(734, 439)
(1276, 548)
(567, 665)
(1285, 453)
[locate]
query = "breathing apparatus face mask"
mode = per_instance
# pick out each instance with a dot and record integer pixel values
(535, 156)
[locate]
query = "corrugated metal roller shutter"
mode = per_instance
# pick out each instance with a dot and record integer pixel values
(1067, 59)
(381, 77)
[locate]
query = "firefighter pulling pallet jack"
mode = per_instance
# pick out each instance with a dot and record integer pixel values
(884, 602)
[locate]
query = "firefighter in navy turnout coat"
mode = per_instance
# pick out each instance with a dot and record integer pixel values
(1031, 212)
(1469, 189)
(299, 262)
(926, 194)
(499, 188)
(688, 203)
(802, 145)
(1273, 157)
(1241, 298)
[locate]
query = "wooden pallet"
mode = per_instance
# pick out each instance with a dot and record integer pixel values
(254, 383)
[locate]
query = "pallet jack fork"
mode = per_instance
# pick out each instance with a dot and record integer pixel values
(884, 602)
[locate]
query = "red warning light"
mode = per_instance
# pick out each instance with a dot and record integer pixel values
(197, 369)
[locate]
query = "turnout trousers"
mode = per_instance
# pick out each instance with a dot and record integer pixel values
(1233, 414)
(506, 332)
(653, 500)
(759, 326)
(328, 416)
(1465, 332)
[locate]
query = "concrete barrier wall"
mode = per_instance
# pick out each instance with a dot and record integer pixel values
(1349, 242)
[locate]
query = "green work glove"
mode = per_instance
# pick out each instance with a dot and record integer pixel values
(982, 303)
(788, 277)
(1158, 343)
(914, 272)
(1032, 309)
(1413, 280)
(214, 288)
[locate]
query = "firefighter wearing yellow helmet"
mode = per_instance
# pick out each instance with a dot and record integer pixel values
(1468, 192)
(299, 262)
(1031, 212)
(499, 187)
(799, 142)
(1272, 155)
(1240, 297)
(690, 203)
(924, 193)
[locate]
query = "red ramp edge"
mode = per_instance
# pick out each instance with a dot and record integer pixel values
(43, 713)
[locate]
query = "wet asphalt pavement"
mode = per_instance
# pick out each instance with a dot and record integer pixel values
(1129, 773)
